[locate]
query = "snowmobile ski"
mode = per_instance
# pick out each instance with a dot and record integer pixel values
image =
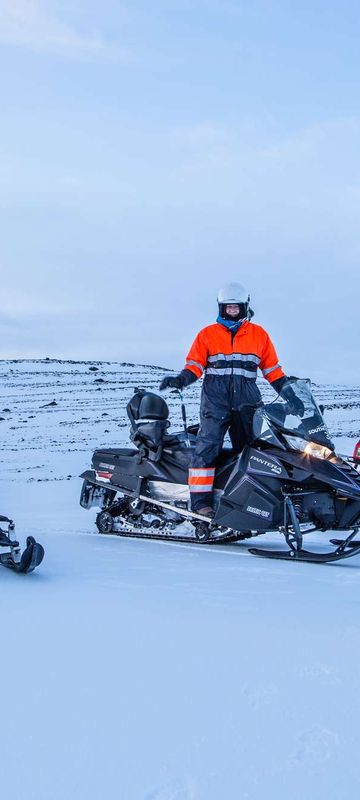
(305, 555)
(355, 543)
(346, 548)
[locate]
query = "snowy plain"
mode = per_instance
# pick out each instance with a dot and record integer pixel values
(136, 670)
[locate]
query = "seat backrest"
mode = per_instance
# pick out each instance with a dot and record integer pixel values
(148, 414)
(146, 405)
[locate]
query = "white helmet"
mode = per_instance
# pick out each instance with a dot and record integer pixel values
(234, 293)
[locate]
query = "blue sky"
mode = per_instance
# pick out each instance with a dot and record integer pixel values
(151, 151)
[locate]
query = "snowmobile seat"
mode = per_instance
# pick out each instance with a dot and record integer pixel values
(178, 440)
(181, 455)
(149, 419)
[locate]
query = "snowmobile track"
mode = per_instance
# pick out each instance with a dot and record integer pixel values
(231, 539)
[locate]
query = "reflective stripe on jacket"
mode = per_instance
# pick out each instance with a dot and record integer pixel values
(217, 352)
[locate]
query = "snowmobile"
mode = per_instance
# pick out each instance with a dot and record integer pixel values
(11, 555)
(287, 480)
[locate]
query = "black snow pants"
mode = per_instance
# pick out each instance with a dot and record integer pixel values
(226, 405)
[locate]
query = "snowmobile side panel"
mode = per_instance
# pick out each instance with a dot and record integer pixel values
(250, 507)
(263, 464)
(252, 498)
(334, 471)
(351, 514)
(126, 468)
(175, 492)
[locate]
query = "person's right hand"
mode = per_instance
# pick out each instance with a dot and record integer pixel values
(172, 382)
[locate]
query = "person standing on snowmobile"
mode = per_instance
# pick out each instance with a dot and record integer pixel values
(229, 352)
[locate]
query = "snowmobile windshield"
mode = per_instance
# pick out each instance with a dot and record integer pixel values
(294, 411)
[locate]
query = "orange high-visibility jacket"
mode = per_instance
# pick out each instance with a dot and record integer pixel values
(218, 353)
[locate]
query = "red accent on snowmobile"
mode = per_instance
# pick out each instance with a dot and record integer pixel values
(356, 454)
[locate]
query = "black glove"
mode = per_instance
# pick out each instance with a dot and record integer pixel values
(185, 378)
(279, 384)
(295, 405)
(283, 387)
(171, 382)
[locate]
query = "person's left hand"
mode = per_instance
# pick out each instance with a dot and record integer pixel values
(296, 406)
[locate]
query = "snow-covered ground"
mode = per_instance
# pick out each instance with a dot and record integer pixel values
(137, 670)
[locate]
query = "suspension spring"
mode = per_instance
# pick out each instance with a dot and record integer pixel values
(298, 508)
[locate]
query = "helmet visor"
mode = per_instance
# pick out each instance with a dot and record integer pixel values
(227, 311)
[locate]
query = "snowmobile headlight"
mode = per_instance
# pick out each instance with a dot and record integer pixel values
(318, 450)
(310, 448)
